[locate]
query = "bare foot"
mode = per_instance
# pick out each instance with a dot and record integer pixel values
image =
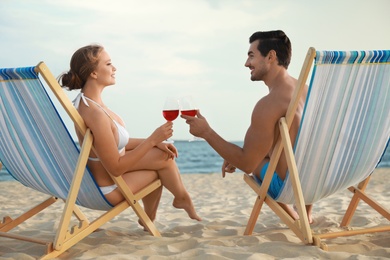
(142, 225)
(308, 210)
(310, 218)
(187, 205)
(289, 210)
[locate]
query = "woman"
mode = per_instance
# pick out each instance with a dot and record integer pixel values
(138, 161)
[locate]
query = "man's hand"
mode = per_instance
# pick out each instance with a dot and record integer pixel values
(227, 167)
(198, 125)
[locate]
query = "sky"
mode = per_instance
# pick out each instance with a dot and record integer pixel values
(178, 48)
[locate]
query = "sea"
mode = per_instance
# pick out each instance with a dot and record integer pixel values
(199, 157)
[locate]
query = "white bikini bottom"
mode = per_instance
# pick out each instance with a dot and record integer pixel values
(108, 189)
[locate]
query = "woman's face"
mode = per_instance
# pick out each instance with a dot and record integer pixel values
(105, 71)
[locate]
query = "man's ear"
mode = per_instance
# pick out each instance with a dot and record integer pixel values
(272, 55)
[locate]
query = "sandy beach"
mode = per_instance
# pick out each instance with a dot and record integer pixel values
(224, 205)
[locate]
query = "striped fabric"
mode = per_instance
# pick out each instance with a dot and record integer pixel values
(35, 146)
(346, 123)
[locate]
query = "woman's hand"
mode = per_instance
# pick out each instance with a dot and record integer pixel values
(169, 148)
(162, 133)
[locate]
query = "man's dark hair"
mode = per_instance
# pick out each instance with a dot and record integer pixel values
(274, 40)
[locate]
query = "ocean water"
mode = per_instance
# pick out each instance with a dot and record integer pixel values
(199, 157)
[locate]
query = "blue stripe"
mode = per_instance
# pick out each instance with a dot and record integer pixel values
(352, 57)
(18, 73)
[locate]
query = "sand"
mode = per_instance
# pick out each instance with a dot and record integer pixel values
(224, 205)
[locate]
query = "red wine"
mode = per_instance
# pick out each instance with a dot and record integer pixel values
(170, 115)
(191, 112)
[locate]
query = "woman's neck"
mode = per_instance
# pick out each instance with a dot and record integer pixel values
(93, 92)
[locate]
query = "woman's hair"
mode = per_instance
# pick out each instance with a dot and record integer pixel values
(83, 62)
(274, 40)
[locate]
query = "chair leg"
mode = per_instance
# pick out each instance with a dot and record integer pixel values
(254, 216)
(70, 204)
(9, 223)
(354, 202)
(359, 194)
(294, 176)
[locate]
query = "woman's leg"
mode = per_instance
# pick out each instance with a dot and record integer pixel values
(151, 202)
(309, 209)
(136, 181)
(169, 175)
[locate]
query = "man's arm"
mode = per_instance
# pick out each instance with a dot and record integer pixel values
(258, 139)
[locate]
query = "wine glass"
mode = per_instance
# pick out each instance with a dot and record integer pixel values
(170, 111)
(188, 108)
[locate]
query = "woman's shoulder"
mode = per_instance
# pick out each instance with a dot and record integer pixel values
(94, 116)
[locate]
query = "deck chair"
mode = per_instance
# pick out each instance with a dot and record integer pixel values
(343, 134)
(38, 151)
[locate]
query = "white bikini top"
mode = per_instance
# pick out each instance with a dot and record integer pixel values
(123, 135)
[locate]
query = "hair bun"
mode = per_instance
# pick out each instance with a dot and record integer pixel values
(70, 80)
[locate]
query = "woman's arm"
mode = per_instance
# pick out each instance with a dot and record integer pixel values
(106, 146)
(170, 149)
(133, 143)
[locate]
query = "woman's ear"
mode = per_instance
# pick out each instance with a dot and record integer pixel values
(93, 75)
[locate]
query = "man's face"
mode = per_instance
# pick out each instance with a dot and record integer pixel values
(256, 62)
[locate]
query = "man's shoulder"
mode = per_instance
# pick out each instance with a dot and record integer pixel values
(272, 105)
(274, 99)
(269, 105)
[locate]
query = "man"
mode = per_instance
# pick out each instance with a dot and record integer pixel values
(269, 56)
